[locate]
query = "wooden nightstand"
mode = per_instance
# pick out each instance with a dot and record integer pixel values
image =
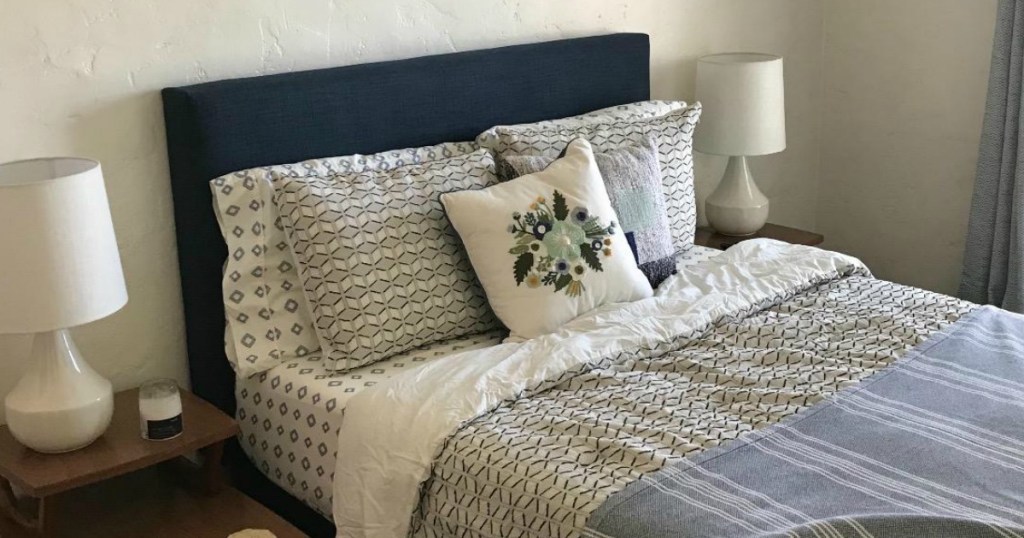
(706, 237)
(114, 487)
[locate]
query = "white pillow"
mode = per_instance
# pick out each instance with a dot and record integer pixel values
(546, 246)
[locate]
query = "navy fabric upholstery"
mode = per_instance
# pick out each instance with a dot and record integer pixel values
(229, 125)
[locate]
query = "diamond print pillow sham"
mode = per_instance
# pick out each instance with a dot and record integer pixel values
(381, 266)
(673, 133)
(547, 246)
(633, 180)
(268, 320)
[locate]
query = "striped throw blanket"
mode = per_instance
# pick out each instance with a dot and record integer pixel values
(932, 446)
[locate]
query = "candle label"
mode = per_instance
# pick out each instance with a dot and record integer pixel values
(158, 430)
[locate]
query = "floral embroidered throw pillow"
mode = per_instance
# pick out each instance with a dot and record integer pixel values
(547, 246)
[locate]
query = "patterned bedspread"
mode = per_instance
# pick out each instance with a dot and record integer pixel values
(933, 446)
(531, 438)
(541, 465)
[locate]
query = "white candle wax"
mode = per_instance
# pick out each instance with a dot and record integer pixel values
(161, 408)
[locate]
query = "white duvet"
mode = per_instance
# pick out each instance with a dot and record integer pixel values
(392, 433)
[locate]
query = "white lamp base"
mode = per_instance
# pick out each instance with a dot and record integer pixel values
(737, 207)
(61, 404)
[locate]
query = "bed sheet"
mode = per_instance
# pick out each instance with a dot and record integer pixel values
(290, 415)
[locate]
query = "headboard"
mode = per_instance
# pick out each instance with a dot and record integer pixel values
(220, 127)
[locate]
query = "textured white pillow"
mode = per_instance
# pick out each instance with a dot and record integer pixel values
(546, 246)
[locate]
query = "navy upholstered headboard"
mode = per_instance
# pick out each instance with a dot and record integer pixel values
(220, 127)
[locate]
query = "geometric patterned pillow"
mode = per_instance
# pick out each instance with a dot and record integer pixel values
(268, 321)
(631, 111)
(671, 132)
(382, 269)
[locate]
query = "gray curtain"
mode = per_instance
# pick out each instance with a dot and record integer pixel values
(994, 257)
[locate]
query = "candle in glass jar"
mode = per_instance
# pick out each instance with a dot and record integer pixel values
(160, 410)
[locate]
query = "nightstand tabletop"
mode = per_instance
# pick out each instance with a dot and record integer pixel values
(707, 237)
(120, 450)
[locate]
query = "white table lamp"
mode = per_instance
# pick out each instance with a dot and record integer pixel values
(61, 269)
(744, 115)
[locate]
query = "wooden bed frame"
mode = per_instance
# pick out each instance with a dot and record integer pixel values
(220, 127)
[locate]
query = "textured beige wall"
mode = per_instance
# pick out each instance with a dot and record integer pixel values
(80, 77)
(905, 86)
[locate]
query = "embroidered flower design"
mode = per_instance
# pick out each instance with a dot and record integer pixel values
(556, 247)
(541, 229)
(564, 240)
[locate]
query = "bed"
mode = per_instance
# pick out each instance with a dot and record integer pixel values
(637, 420)
(215, 128)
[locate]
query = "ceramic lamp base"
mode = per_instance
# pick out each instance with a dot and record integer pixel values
(61, 404)
(737, 207)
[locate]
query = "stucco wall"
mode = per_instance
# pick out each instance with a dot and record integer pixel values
(905, 86)
(80, 77)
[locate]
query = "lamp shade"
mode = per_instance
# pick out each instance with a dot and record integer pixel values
(744, 104)
(61, 265)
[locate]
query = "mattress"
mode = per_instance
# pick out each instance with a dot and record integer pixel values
(290, 415)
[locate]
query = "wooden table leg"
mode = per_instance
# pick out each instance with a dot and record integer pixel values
(47, 516)
(213, 472)
(41, 524)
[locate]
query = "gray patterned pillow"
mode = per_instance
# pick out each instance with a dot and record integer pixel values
(631, 111)
(633, 180)
(673, 133)
(268, 321)
(380, 264)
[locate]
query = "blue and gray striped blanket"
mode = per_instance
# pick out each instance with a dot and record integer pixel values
(932, 446)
